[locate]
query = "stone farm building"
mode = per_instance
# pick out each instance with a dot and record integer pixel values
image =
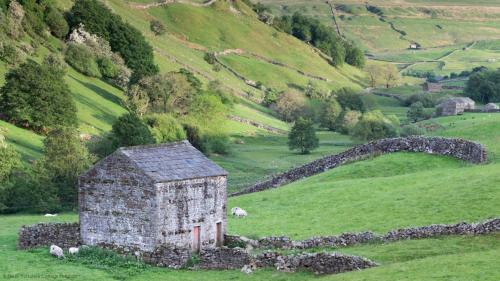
(454, 106)
(139, 198)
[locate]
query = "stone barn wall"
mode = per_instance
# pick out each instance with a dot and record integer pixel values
(189, 203)
(458, 148)
(64, 235)
(117, 205)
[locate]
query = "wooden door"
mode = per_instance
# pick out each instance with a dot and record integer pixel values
(196, 239)
(219, 234)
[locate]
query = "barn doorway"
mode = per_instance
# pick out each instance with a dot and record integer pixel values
(218, 234)
(196, 239)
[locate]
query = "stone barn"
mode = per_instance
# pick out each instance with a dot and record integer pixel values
(454, 106)
(140, 198)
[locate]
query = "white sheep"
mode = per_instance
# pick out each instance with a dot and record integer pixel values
(238, 212)
(51, 215)
(73, 250)
(56, 251)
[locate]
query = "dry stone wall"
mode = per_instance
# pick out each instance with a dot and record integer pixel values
(458, 148)
(349, 239)
(64, 235)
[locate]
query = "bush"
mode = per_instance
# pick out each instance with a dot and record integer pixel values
(350, 100)
(374, 125)
(37, 96)
(330, 113)
(210, 58)
(10, 54)
(157, 27)
(302, 137)
(290, 105)
(130, 130)
(218, 143)
(416, 112)
(107, 68)
(82, 59)
(123, 38)
(426, 100)
(348, 120)
(411, 130)
(193, 134)
(65, 158)
(56, 22)
(9, 160)
(165, 128)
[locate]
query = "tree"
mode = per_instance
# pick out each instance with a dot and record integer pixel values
(165, 128)
(484, 86)
(390, 75)
(354, 55)
(56, 22)
(136, 100)
(130, 130)
(349, 99)
(157, 27)
(123, 38)
(9, 158)
(374, 125)
(330, 113)
(303, 136)
(37, 96)
(290, 105)
(374, 74)
(82, 59)
(65, 158)
(416, 112)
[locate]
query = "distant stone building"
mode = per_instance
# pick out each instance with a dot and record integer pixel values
(432, 87)
(148, 196)
(491, 107)
(454, 106)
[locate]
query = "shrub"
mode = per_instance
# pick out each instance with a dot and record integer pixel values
(218, 143)
(82, 59)
(9, 159)
(416, 112)
(130, 130)
(426, 100)
(10, 54)
(411, 130)
(302, 137)
(65, 158)
(350, 100)
(210, 58)
(290, 105)
(123, 38)
(157, 27)
(330, 113)
(270, 97)
(165, 128)
(193, 134)
(374, 125)
(484, 86)
(37, 96)
(348, 120)
(107, 68)
(56, 23)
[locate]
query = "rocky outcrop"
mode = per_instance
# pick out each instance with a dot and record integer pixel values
(458, 148)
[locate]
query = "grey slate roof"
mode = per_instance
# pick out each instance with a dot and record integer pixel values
(172, 161)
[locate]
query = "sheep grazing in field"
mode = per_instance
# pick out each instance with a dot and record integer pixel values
(51, 215)
(73, 250)
(238, 212)
(56, 251)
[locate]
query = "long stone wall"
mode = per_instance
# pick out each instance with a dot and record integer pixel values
(349, 239)
(65, 235)
(458, 148)
(258, 125)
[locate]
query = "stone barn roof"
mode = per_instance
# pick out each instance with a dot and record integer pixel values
(166, 162)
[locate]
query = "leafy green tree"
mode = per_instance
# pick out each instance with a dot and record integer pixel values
(484, 86)
(165, 128)
(130, 130)
(65, 158)
(9, 158)
(374, 125)
(56, 22)
(82, 59)
(123, 38)
(303, 136)
(350, 100)
(354, 55)
(157, 27)
(330, 113)
(416, 112)
(38, 97)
